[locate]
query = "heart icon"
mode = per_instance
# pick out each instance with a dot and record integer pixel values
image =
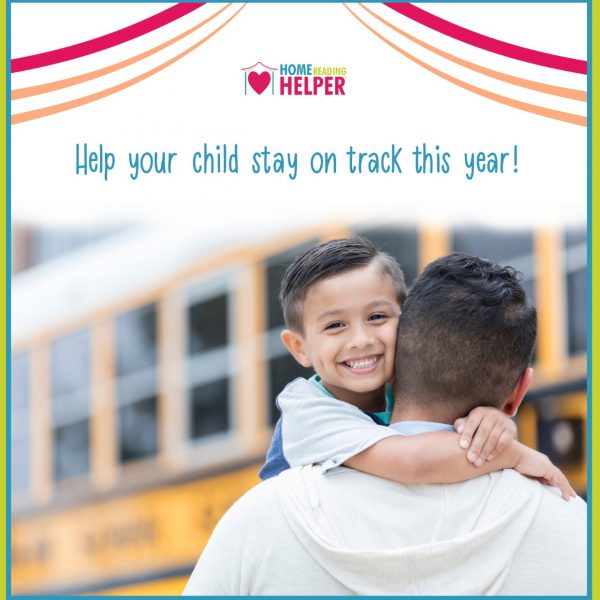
(260, 82)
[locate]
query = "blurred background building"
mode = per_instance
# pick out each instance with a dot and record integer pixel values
(146, 362)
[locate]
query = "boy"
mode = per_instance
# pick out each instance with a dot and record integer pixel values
(342, 301)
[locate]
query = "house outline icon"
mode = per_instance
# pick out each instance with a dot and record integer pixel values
(253, 69)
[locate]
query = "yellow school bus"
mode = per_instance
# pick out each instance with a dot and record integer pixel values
(144, 372)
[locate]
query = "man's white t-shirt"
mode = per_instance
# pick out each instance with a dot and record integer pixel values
(305, 533)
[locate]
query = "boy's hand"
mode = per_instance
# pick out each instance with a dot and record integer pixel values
(537, 465)
(486, 431)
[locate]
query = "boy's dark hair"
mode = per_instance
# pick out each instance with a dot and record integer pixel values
(328, 260)
(466, 335)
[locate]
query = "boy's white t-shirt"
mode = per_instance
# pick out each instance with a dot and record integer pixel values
(317, 428)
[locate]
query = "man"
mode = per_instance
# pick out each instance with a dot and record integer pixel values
(466, 337)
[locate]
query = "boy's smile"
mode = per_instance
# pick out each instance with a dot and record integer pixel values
(350, 326)
(362, 366)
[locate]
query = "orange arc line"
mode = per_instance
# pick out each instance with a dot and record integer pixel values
(50, 110)
(526, 83)
(532, 108)
(44, 88)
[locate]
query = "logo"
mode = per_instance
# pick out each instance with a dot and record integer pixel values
(259, 77)
(302, 79)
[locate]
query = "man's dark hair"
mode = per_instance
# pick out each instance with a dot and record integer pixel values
(466, 335)
(328, 260)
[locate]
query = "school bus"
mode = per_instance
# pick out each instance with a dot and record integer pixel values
(144, 372)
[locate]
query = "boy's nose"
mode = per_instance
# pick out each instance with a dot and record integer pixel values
(360, 339)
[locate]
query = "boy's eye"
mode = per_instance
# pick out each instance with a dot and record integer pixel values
(335, 325)
(377, 316)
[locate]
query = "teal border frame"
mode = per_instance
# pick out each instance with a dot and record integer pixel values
(593, 252)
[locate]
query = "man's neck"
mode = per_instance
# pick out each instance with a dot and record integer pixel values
(405, 410)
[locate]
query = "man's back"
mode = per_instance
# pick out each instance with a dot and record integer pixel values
(303, 533)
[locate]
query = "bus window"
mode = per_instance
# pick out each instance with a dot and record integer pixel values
(400, 243)
(282, 367)
(576, 284)
(561, 440)
(282, 370)
(136, 383)
(20, 422)
(207, 325)
(561, 428)
(514, 248)
(70, 384)
(209, 406)
(209, 366)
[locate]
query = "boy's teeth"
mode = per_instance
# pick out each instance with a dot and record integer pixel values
(361, 364)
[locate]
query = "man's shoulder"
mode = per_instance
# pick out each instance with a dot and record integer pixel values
(553, 512)
(263, 497)
(552, 505)
(259, 502)
(552, 555)
(263, 504)
(258, 494)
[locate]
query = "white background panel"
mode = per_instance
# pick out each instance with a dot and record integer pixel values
(388, 100)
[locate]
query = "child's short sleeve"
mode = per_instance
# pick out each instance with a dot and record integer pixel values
(317, 428)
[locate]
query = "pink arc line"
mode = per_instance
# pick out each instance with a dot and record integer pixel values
(52, 57)
(490, 44)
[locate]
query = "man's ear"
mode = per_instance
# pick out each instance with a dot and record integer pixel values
(518, 393)
(295, 344)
